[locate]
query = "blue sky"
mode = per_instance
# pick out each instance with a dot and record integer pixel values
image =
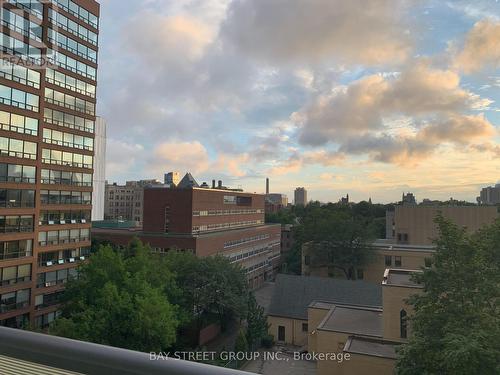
(366, 98)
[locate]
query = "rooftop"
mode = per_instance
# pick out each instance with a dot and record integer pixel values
(372, 347)
(354, 319)
(399, 277)
(391, 244)
(293, 294)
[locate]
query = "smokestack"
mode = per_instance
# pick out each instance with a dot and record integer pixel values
(213, 184)
(267, 186)
(220, 184)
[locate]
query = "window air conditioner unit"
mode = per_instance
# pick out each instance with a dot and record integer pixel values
(84, 221)
(73, 221)
(49, 263)
(72, 260)
(62, 222)
(51, 222)
(60, 261)
(82, 258)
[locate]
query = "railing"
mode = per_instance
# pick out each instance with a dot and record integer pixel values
(87, 358)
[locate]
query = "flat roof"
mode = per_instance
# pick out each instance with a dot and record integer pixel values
(371, 347)
(354, 319)
(400, 277)
(391, 245)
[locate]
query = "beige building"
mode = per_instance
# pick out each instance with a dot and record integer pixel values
(414, 225)
(409, 231)
(126, 202)
(387, 254)
(288, 312)
(362, 336)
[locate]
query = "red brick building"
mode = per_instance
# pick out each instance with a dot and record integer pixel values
(208, 222)
(48, 79)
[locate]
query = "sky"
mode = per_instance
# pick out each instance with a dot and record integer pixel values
(370, 98)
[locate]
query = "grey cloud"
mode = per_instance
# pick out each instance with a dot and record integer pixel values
(355, 31)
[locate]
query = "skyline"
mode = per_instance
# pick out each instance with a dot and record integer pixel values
(370, 101)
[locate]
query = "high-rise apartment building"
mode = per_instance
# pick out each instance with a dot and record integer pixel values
(172, 179)
(48, 80)
(125, 202)
(300, 196)
(490, 195)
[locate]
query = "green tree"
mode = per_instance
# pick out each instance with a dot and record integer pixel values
(456, 322)
(211, 287)
(339, 240)
(257, 326)
(241, 344)
(113, 303)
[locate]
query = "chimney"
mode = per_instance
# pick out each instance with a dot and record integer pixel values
(220, 184)
(267, 186)
(213, 184)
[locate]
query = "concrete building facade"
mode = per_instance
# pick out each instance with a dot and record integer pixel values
(99, 178)
(414, 225)
(48, 84)
(126, 202)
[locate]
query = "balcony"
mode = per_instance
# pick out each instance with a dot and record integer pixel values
(31, 349)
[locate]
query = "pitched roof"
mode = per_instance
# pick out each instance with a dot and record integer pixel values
(187, 181)
(293, 294)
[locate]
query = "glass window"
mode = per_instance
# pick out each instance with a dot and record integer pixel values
(24, 271)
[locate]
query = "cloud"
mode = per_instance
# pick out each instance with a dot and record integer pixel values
(121, 156)
(183, 156)
(481, 48)
(356, 117)
(167, 39)
(491, 148)
(458, 129)
(355, 31)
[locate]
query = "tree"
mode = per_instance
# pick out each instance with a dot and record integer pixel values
(241, 344)
(113, 303)
(257, 326)
(456, 322)
(211, 287)
(339, 240)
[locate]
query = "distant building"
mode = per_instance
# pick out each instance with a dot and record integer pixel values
(274, 201)
(344, 200)
(99, 177)
(300, 196)
(408, 198)
(490, 195)
(287, 238)
(125, 202)
(207, 221)
(172, 179)
(277, 198)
